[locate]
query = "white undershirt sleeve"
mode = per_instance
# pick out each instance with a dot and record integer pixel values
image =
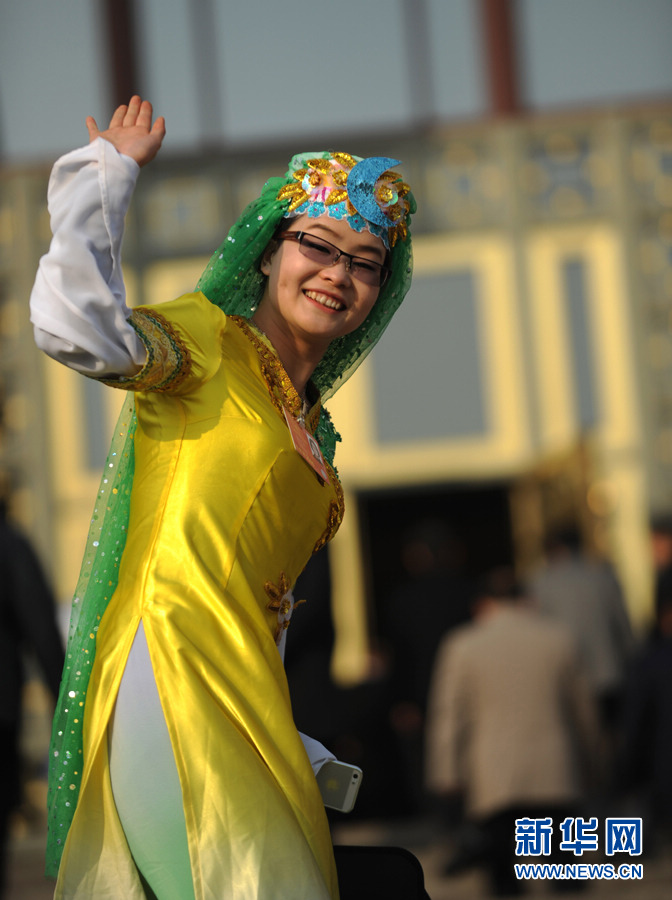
(78, 303)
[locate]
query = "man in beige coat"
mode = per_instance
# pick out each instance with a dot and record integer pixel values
(512, 726)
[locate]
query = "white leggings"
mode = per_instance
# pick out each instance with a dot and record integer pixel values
(145, 782)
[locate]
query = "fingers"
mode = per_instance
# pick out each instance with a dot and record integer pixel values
(137, 112)
(132, 111)
(159, 128)
(118, 115)
(144, 116)
(92, 128)
(131, 130)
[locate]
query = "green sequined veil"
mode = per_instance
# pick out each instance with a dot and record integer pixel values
(97, 581)
(233, 282)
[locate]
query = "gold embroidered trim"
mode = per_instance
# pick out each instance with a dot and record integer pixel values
(280, 387)
(168, 357)
(334, 515)
(280, 603)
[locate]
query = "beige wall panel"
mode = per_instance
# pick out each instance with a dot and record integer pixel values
(506, 445)
(617, 435)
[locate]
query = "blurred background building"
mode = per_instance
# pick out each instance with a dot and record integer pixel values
(527, 380)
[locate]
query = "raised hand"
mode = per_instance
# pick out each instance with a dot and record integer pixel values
(131, 130)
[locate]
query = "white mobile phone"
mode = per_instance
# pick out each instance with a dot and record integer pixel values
(339, 783)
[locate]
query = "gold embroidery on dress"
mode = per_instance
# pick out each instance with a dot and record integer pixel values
(280, 603)
(278, 382)
(168, 357)
(334, 516)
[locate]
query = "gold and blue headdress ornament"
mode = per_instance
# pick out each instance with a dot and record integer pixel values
(365, 192)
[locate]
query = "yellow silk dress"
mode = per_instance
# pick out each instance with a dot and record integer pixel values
(225, 514)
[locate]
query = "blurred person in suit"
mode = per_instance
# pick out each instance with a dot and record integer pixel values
(584, 595)
(27, 625)
(512, 726)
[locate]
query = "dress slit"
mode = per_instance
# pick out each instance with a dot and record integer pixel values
(145, 781)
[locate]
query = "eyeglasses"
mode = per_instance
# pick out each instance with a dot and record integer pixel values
(321, 251)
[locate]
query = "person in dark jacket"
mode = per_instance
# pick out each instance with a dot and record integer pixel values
(646, 748)
(27, 624)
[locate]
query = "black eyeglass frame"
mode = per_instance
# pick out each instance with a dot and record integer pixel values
(298, 237)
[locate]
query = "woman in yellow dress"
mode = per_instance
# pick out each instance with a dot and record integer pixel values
(176, 768)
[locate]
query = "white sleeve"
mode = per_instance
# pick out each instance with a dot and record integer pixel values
(78, 303)
(317, 752)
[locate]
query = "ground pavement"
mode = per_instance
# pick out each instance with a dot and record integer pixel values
(421, 836)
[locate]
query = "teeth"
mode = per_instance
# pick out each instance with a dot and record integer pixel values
(324, 300)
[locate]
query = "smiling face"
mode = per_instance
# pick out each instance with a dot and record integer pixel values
(310, 302)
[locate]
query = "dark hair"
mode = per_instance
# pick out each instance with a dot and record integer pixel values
(664, 591)
(499, 584)
(564, 537)
(661, 524)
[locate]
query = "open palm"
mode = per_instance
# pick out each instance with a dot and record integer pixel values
(131, 130)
